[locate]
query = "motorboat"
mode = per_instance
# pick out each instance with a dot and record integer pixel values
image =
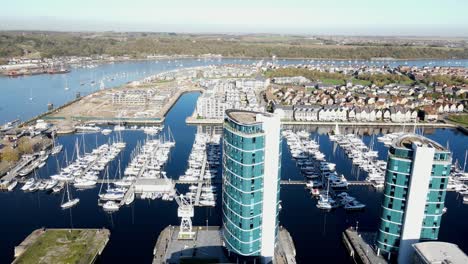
(112, 195)
(11, 185)
(58, 187)
(324, 203)
(207, 203)
(90, 128)
(106, 131)
(339, 183)
(28, 184)
(315, 192)
(111, 206)
(34, 187)
(354, 205)
(83, 183)
(465, 198)
(42, 185)
(119, 128)
(50, 184)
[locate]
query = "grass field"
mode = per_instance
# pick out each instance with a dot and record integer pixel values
(461, 119)
(361, 82)
(64, 246)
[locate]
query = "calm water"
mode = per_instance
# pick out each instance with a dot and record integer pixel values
(16, 93)
(134, 229)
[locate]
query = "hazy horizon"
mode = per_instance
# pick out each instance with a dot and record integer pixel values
(331, 17)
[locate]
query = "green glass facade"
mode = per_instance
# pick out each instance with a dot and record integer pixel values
(243, 176)
(397, 178)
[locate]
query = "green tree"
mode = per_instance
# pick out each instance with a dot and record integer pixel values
(25, 146)
(10, 155)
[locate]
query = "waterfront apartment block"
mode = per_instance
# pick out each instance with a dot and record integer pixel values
(414, 195)
(251, 175)
(223, 94)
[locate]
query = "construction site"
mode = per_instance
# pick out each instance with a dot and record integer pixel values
(135, 103)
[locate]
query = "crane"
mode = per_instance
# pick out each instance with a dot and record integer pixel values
(185, 212)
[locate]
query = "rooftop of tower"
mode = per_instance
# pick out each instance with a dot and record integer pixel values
(244, 116)
(440, 252)
(407, 141)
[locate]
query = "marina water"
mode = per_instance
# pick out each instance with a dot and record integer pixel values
(134, 228)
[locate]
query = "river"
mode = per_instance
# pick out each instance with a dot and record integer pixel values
(27, 96)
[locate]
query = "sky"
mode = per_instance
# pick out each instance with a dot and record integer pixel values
(315, 17)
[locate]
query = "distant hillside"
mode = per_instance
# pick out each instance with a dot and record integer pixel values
(48, 44)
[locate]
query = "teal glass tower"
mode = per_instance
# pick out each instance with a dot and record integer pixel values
(414, 194)
(251, 175)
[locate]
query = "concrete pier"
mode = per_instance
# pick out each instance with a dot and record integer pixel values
(359, 249)
(208, 247)
(13, 173)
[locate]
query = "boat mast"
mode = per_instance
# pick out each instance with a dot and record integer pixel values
(84, 144)
(67, 191)
(464, 163)
(77, 149)
(108, 181)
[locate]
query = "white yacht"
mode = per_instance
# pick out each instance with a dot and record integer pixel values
(69, 203)
(87, 128)
(84, 183)
(119, 128)
(12, 184)
(106, 131)
(338, 182)
(111, 206)
(28, 184)
(324, 203)
(58, 187)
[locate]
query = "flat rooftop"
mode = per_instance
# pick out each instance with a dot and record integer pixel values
(243, 117)
(406, 141)
(153, 181)
(440, 252)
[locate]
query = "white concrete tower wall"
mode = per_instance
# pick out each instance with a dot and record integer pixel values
(423, 157)
(271, 127)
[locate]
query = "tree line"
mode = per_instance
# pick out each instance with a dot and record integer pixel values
(139, 45)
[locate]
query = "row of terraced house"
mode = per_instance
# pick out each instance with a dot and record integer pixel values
(341, 113)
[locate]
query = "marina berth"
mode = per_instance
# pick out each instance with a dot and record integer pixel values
(322, 178)
(364, 157)
(144, 175)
